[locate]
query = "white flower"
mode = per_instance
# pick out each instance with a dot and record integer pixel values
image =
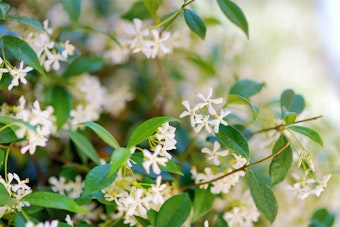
(156, 189)
(208, 101)
(214, 154)
(152, 160)
(53, 223)
(53, 60)
(19, 75)
(158, 43)
(69, 49)
(189, 112)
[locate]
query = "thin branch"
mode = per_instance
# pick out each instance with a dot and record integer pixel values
(243, 168)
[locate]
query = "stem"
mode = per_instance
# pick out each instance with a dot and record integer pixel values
(6, 164)
(280, 126)
(243, 168)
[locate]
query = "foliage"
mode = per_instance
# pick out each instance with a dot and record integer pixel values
(116, 149)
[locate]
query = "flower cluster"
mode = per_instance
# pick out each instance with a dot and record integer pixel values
(53, 223)
(305, 186)
(204, 114)
(49, 52)
(41, 124)
(16, 190)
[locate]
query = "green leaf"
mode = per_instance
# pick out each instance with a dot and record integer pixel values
(98, 178)
(236, 99)
(5, 198)
(73, 8)
(171, 167)
(22, 51)
(152, 215)
(281, 163)
(246, 88)
(25, 20)
(62, 104)
(4, 7)
(234, 13)
(137, 10)
(291, 102)
(322, 218)
(142, 221)
(85, 65)
(220, 222)
(15, 123)
(146, 129)
(20, 220)
(152, 6)
(7, 135)
(174, 211)
(289, 117)
(263, 196)
(310, 133)
(203, 65)
(203, 201)
(118, 158)
(195, 23)
(84, 145)
(102, 133)
(233, 139)
(53, 200)
(2, 158)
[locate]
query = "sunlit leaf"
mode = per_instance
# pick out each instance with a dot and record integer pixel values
(195, 23)
(203, 201)
(119, 157)
(152, 6)
(310, 133)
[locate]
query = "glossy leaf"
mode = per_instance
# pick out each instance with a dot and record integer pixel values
(25, 20)
(195, 23)
(291, 102)
(22, 51)
(98, 178)
(174, 211)
(146, 129)
(85, 65)
(289, 117)
(119, 158)
(263, 196)
(73, 8)
(20, 220)
(152, 6)
(310, 133)
(232, 138)
(142, 221)
(236, 99)
(137, 10)
(7, 135)
(15, 122)
(281, 163)
(171, 167)
(220, 222)
(5, 199)
(2, 158)
(62, 104)
(84, 146)
(203, 201)
(246, 88)
(234, 13)
(102, 133)
(53, 200)
(322, 218)
(152, 215)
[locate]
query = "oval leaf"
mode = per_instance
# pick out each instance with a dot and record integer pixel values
(85, 65)
(84, 145)
(203, 202)
(62, 104)
(234, 14)
(236, 99)
(291, 102)
(25, 20)
(102, 133)
(53, 200)
(263, 196)
(195, 23)
(137, 10)
(233, 139)
(174, 211)
(22, 51)
(98, 178)
(246, 88)
(322, 218)
(73, 8)
(5, 198)
(171, 167)
(310, 133)
(281, 163)
(146, 129)
(7, 135)
(118, 158)
(152, 6)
